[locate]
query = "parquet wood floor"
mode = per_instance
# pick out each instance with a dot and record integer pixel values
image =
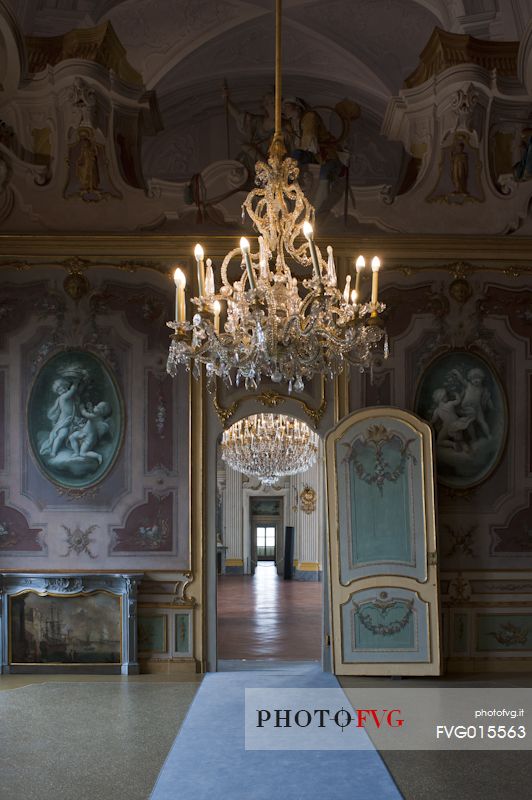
(265, 617)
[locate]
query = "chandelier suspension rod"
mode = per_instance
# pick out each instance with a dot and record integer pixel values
(277, 147)
(278, 77)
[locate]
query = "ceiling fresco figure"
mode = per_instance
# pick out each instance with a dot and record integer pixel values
(256, 130)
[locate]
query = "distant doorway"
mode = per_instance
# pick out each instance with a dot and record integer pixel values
(265, 537)
(266, 517)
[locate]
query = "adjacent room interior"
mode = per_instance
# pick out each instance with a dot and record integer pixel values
(269, 565)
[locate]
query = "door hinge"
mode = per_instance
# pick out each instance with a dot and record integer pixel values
(432, 558)
(327, 640)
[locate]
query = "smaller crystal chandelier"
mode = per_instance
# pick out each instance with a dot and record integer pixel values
(269, 446)
(284, 316)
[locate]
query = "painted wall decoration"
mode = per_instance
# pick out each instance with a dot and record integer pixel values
(76, 629)
(459, 173)
(75, 419)
(462, 398)
(182, 634)
(152, 635)
(460, 633)
(504, 632)
(88, 167)
(16, 536)
(515, 537)
(160, 447)
(148, 528)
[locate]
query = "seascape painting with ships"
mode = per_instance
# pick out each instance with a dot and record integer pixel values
(81, 629)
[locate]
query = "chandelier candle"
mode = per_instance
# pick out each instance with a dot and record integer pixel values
(199, 254)
(180, 283)
(244, 247)
(375, 266)
(331, 269)
(308, 233)
(347, 288)
(360, 265)
(217, 308)
(209, 279)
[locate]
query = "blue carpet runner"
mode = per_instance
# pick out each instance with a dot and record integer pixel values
(208, 760)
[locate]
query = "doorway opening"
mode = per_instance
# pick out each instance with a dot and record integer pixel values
(269, 589)
(266, 516)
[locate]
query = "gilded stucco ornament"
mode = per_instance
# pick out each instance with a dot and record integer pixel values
(460, 290)
(76, 285)
(308, 499)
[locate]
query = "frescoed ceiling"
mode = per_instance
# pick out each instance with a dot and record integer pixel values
(185, 50)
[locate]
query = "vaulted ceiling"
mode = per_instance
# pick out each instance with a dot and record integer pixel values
(185, 49)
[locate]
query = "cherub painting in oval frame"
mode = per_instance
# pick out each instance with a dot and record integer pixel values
(462, 398)
(75, 419)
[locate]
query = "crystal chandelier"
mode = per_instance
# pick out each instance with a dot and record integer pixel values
(269, 446)
(284, 317)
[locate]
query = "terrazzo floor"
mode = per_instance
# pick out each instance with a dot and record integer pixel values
(448, 775)
(93, 739)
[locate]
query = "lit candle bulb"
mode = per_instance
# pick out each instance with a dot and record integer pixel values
(244, 247)
(199, 254)
(308, 233)
(180, 283)
(209, 279)
(347, 288)
(375, 266)
(360, 265)
(217, 308)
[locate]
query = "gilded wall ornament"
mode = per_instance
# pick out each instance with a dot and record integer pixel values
(459, 589)
(76, 285)
(308, 499)
(460, 290)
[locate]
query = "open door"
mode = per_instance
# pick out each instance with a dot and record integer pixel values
(382, 545)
